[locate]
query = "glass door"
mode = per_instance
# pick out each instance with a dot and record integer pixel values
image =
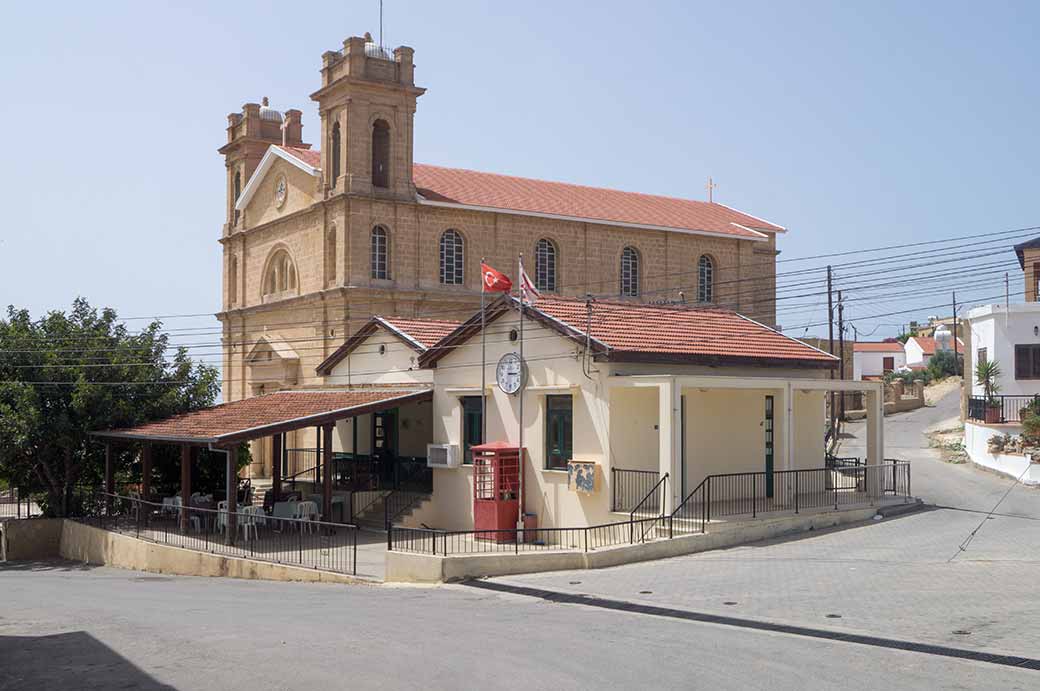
(472, 426)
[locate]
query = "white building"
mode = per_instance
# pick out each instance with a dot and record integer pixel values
(920, 349)
(1010, 336)
(875, 360)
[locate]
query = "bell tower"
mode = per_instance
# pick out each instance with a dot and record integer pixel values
(367, 107)
(249, 134)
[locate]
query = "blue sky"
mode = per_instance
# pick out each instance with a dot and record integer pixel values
(854, 125)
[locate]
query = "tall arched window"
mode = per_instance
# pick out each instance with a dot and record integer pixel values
(452, 258)
(335, 154)
(380, 253)
(705, 279)
(330, 256)
(380, 154)
(629, 272)
(281, 274)
(238, 191)
(545, 265)
(232, 288)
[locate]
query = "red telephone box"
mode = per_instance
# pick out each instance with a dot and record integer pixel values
(496, 490)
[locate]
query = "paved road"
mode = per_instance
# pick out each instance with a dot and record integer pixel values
(890, 578)
(63, 628)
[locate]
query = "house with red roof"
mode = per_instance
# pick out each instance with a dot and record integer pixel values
(873, 360)
(920, 349)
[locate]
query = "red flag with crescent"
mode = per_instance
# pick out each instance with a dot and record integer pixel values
(494, 281)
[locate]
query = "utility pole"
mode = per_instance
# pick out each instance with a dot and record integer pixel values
(830, 328)
(956, 364)
(1007, 299)
(841, 349)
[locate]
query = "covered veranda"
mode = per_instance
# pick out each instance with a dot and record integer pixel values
(282, 529)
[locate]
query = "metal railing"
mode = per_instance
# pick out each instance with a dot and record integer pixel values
(248, 535)
(1001, 409)
(522, 540)
(752, 494)
(717, 496)
(629, 488)
(18, 503)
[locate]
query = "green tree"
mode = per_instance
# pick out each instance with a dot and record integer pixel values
(66, 374)
(987, 372)
(943, 364)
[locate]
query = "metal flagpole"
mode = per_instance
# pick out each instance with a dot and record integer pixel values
(483, 358)
(523, 294)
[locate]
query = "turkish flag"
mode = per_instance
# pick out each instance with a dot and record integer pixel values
(493, 281)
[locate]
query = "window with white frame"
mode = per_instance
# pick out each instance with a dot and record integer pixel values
(545, 265)
(705, 279)
(629, 272)
(452, 258)
(380, 253)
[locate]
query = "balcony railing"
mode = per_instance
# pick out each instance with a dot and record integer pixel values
(1001, 409)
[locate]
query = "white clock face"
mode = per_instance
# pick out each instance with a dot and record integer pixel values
(510, 373)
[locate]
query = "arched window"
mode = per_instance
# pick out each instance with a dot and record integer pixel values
(705, 279)
(238, 191)
(232, 288)
(281, 274)
(629, 272)
(380, 154)
(545, 265)
(330, 256)
(451, 258)
(335, 154)
(380, 253)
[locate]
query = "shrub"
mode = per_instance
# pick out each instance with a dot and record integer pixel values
(943, 364)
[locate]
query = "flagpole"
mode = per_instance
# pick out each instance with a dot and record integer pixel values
(520, 509)
(483, 359)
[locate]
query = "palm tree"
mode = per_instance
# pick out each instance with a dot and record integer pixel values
(986, 373)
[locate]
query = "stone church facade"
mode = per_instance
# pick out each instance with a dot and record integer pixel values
(318, 239)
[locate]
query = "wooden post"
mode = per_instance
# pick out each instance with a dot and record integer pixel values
(232, 495)
(146, 472)
(110, 484)
(276, 467)
(185, 485)
(326, 499)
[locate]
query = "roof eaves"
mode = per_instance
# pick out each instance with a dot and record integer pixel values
(404, 336)
(773, 227)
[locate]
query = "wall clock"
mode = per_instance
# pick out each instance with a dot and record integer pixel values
(510, 373)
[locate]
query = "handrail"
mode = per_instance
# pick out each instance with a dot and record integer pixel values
(652, 492)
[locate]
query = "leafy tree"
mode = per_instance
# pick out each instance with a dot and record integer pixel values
(943, 364)
(66, 374)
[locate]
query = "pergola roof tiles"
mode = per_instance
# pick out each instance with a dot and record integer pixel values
(260, 416)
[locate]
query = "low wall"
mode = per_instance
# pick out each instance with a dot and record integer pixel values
(30, 539)
(406, 567)
(976, 445)
(83, 543)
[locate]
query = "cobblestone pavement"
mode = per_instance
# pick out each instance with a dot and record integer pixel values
(890, 578)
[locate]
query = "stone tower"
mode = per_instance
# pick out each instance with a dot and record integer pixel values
(249, 134)
(367, 107)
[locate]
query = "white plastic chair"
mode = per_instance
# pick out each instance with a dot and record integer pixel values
(306, 511)
(246, 522)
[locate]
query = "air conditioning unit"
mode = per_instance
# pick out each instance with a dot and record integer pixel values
(442, 456)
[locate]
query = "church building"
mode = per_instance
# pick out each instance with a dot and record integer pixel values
(318, 239)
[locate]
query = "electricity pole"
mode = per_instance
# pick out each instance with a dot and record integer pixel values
(841, 349)
(830, 328)
(956, 364)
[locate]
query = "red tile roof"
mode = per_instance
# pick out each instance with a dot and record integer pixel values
(883, 347)
(419, 334)
(252, 418)
(626, 331)
(425, 331)
(526, 195)
(510, 193)
(928, 345)
(308, 156)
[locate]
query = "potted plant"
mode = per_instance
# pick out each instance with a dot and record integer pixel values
(986, 374)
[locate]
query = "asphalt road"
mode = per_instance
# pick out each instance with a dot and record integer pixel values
(64, 626)
(105, 628)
